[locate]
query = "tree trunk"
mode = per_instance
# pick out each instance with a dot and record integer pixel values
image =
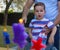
(6, 12)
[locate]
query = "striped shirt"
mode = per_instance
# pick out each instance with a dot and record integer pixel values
(38, 25)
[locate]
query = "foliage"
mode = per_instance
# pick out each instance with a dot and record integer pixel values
(16, 5)
(19, 3)
(10, 10)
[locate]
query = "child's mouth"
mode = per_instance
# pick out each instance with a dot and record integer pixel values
(39, 15)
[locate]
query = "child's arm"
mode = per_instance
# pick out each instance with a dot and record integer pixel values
(51, 38)
(30, 33)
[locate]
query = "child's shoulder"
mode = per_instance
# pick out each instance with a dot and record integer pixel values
(33, 20)
(45, 19)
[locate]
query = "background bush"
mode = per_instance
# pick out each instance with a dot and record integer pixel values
(14, 17)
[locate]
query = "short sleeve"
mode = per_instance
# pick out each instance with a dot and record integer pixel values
(50, 24)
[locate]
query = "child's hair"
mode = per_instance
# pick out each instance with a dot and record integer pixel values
(39, 4)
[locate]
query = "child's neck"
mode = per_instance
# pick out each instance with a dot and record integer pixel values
(39, 19)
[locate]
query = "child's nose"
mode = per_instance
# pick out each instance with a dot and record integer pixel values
(39, 12)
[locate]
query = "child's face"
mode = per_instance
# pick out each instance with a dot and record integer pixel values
(39, 12)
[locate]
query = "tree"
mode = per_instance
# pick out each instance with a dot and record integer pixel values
(19, 4)
(8, 3)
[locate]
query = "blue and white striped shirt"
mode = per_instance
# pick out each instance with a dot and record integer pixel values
(38, 25)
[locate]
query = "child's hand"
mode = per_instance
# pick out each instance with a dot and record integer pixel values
(51, 40)
(31, 37)
(47, 30)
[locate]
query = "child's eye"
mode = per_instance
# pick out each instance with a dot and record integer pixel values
(41, 10)
(37, 11)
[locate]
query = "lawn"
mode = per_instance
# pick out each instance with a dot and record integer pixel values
(9, 30)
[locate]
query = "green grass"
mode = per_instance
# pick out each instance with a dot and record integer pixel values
(9, 30)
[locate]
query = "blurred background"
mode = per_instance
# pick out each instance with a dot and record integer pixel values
(11, 12)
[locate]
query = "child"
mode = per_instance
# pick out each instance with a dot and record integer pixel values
(36, 27)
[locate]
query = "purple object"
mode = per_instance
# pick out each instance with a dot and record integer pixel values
(19, 34)
(22, 44)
